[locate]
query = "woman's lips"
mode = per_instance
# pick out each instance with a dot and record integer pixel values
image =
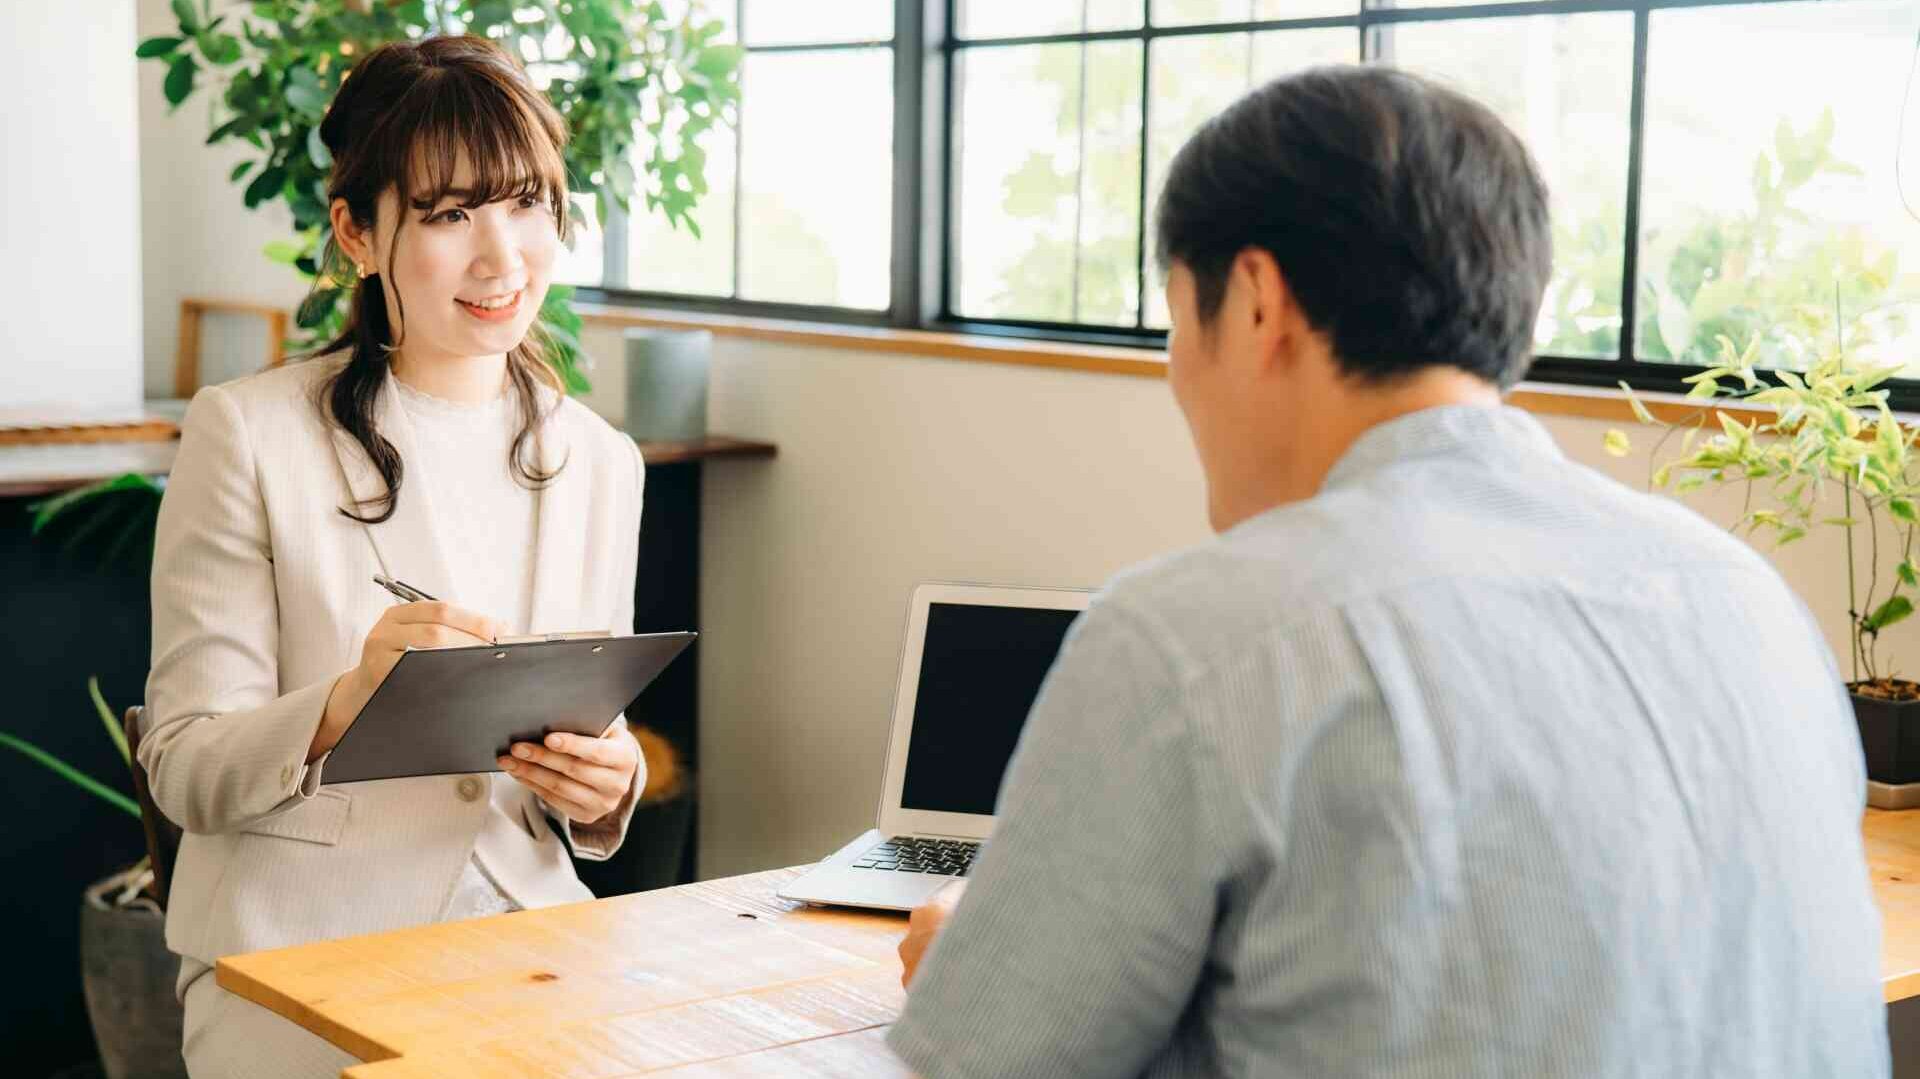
(493, 314)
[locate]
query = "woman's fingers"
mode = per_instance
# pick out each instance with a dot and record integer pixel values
(577, 800)
(471, 626)
(588, 770)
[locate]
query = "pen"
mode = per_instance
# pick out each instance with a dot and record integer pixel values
(413, 595)
(402, 589)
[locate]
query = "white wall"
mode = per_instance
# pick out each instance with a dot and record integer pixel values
(894, 470)
(69, 207)
(199, 240)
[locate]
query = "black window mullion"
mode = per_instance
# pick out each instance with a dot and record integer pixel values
(739, 155)
(1146, 135)
(1636, 144)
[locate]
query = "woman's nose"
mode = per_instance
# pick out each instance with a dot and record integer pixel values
(496, 254)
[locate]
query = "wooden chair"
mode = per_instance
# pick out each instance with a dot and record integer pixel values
(186, 362)
(163, 836)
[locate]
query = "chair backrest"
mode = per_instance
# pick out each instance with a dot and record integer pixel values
(163, 836)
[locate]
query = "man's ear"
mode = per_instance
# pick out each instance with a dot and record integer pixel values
(1273, 319)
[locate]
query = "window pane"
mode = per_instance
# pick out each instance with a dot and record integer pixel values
(1770, 192)
(1046, 206)
(788, 22)
(1025, 18)
(1562, 82)
(661, 258)
(816, 179)
(1196, 77)
(1189, 12)
(582, 262)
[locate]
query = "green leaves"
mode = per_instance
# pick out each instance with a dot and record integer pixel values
(306, 93)
(218, 48)
(179, 81)
(72, 775)
(1616, 443)
(188, 18)
(265, 186)
(158, 46)
(1888, 613)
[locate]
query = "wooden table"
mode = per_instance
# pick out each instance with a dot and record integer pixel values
(1893, 856)
(712, 979)
(719, 979)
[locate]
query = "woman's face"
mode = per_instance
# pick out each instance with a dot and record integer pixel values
(471, 278)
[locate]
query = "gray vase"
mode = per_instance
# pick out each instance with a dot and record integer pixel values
(667, 384)
(128, 975)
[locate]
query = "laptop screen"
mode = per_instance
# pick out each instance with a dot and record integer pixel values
(980, 670)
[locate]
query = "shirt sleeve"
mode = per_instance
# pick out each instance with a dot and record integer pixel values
(1089, 915)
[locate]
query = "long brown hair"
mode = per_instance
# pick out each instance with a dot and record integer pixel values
(416, 107)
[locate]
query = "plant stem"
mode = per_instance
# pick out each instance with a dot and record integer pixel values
(1873, 580)
(1856, 627)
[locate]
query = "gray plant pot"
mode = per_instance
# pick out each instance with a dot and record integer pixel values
(128, 975)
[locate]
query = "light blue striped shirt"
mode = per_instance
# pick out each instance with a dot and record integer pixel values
(1475, 764)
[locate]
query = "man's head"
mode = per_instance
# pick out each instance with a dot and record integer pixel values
(1343, 246)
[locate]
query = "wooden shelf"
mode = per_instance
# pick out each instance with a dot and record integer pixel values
(709, 448)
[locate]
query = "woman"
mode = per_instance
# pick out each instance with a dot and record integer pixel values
(428, 443)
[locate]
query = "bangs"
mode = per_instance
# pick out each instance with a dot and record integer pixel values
(509, 142)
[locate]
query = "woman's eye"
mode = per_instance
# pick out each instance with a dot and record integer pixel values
(528, 202)
(451, 216)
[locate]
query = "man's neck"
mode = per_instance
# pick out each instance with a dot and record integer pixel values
(1295, 467)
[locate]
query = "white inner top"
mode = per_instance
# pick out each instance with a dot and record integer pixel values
(485, 522)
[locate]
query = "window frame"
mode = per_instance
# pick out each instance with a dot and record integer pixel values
(922, 277)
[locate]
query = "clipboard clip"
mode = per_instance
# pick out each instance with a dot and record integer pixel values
(535, 638)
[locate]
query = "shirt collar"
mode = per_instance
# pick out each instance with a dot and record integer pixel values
(1449, 429)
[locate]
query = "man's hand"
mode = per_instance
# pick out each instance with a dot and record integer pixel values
(924, 925)
(585, 778)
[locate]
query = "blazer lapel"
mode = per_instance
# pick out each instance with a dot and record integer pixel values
(405, 544)
(559, 555)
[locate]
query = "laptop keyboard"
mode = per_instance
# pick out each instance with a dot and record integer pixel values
(912, 854)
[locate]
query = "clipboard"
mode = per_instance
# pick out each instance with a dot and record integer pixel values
(443, 711)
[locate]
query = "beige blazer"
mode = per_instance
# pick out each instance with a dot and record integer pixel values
(262, 595)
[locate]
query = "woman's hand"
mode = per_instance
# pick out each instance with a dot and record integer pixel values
(585, 778)
(409, 625)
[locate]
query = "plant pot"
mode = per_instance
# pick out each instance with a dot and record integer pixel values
(1890, 738)
(129, 976)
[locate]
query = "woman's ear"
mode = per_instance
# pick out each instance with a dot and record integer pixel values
(353, 241)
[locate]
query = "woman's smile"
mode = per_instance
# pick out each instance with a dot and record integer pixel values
(499, 308)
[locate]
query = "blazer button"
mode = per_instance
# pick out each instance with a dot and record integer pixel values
(469, 788)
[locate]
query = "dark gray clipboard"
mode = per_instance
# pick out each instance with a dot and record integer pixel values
(443, 711)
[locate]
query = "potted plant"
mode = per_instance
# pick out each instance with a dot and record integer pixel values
(612, 68)
(127, 972)
(1833, 457)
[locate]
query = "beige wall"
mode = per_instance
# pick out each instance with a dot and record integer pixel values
(894, 470)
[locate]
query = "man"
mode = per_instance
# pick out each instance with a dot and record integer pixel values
(1447, 757)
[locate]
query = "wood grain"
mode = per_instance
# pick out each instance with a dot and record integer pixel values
(1893, 858)
(704, 979)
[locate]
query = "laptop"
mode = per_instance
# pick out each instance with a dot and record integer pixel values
(970, 669)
